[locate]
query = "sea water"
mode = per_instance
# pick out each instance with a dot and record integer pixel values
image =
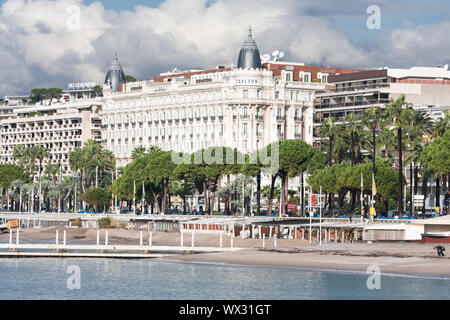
(149, 279)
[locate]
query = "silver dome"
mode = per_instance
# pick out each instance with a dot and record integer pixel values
(249, 55)
(115, 75)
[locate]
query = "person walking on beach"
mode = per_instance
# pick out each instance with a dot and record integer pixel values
(440, 250)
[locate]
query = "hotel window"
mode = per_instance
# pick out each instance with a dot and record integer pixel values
(259, 93)
(245, 128)
(277, 95)
(245, 112)
(292, 95)
(288, 77)
(306, 78)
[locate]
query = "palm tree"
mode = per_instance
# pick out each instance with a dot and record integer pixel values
(361, 141)
(138, 151)
(441, 126)
(386, 139)
(395, 109)
(417, 124)
(340, 148)
(77, 162)
(26, 158)
(17, 185)
(40, 154)
(52, 170)
(372, 119)
(328, 130)
(353, 124)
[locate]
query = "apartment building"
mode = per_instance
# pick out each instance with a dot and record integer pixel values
(424, 87)
(60, 127)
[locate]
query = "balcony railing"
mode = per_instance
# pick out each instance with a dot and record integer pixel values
(351, 104)
(360, 87)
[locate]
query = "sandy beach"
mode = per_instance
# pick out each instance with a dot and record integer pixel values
(390, 257)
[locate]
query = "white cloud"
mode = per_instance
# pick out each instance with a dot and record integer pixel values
(423, 45)
(40, 47)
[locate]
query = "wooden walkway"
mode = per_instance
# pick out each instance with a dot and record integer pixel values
(106, 250)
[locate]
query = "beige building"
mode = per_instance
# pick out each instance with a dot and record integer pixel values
(59, 127)
(424, 87)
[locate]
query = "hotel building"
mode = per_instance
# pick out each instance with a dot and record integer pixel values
(247, 106)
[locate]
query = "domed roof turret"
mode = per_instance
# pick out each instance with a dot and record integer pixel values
(249, 55)
(115, 75)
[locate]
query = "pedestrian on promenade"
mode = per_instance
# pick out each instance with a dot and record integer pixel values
(440, 250)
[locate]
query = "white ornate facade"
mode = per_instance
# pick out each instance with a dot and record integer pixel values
(242, 108)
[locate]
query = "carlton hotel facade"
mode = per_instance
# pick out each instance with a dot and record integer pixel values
(245, 107)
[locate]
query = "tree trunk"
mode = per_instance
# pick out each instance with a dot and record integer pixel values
(155, 197)
(258, 194)
(424, 192)
(270, 200)
(352, 147)
(165, 184)
(282, 206)
(374, 149)
(228, 199)
(400, 173)
(352, 202)
(302, 195)
(411, 189)
(341, 200)
(386, 205)
(438, 191)
(205, 197)
(330, 205)
(416, 180)
(211, 198)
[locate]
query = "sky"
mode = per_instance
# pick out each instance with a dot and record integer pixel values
(49, 43)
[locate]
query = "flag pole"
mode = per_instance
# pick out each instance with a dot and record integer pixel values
(362, 196)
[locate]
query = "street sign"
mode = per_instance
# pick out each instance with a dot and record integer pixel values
(419, 199)
(292, 206)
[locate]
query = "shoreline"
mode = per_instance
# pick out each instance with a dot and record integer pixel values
(399, 258)
(406, 266)
(313, 269)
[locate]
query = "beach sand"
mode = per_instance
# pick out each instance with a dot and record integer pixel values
(390, 257)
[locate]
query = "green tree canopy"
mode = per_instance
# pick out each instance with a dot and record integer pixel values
(10, 173)
(98, 197)
(437, 154)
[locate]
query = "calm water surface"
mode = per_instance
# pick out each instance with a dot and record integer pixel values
(147, 279)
